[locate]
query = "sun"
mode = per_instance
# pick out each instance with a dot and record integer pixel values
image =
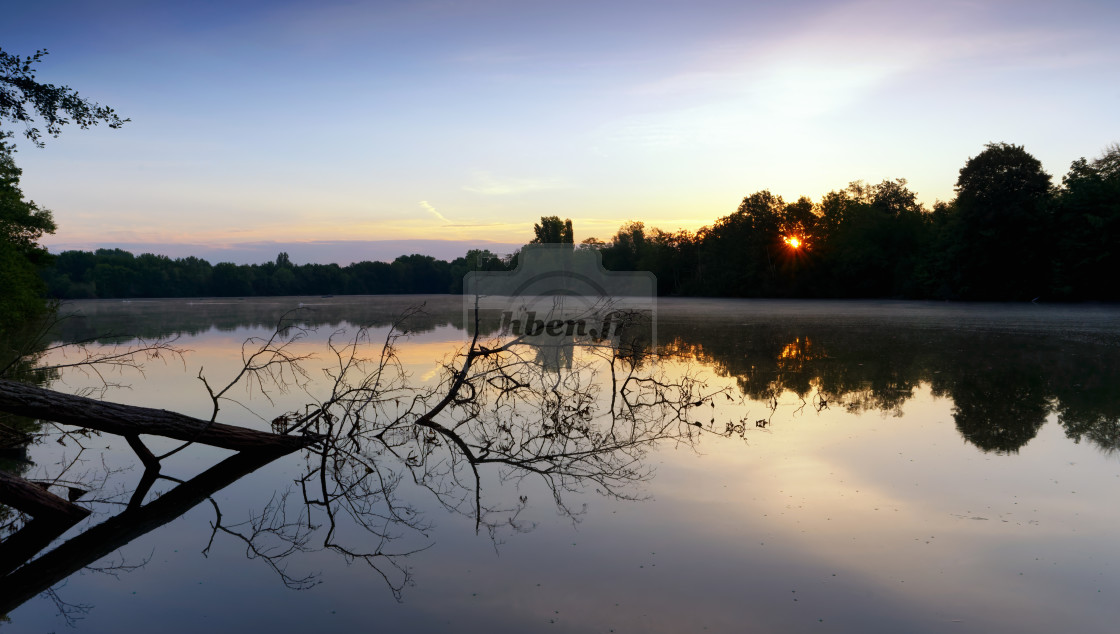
(793, 241)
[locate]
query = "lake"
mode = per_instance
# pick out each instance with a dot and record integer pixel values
(783, 466)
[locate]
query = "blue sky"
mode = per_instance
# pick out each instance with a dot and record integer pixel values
(343, 122)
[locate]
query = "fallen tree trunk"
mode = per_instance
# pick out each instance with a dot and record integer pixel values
(36, 501)
(19, 547)
(128, 420)
(115, 532)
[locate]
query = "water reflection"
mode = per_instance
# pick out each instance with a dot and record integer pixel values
(587, 422)
(553, 423)
(25, 577)
(377, 437)
(1004, 371)
(1003, 384)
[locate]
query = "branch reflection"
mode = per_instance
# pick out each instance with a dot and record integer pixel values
(497, 415)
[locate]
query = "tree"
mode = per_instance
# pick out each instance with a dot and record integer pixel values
(22, 224)
(872, 238)
(740, 253)
(627, 248)
(672, 257)
(1004, 241)
(24, 100)
(799, 219)
(230, 280)
(552, 230)
(1088, 214)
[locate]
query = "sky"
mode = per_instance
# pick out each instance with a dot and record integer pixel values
(342, 130)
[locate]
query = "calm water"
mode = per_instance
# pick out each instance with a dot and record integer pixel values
(849, 467)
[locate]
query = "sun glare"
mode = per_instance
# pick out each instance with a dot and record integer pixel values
(793, 241)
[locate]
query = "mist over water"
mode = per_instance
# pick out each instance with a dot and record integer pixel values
(862, 466)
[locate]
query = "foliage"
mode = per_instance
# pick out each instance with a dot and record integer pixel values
(1003, 215)
(22, 224)
(552, 230)
(871, 242)
(115, 273)
(1088, 216)
(1008, 235)
(24, 100)
(628, 249)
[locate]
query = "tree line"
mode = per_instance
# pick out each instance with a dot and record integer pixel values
(114, 273)
(1009, 234)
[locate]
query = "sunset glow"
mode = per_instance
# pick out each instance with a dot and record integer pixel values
(464, 125)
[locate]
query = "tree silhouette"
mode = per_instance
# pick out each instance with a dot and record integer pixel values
(1006, 236)
(22, 224)
(552, 230)
(1088, 216)
(1002, 225)
(24, 100)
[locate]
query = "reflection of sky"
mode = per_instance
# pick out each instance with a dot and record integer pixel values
(260, 121)
(910, 520)
(869, 522)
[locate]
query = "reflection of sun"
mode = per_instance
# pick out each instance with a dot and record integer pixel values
(793, 241)
(798, 349)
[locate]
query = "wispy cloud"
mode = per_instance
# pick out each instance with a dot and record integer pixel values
(468, 223)
(432, 210)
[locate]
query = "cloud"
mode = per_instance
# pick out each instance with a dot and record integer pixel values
(432, 210)
(465, 224)
(834, 62)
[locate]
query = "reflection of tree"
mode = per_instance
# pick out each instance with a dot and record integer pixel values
(1003, 384)
(44, 516)
(502, 412)
(872, 366)
(495, 407)
(21, 350)
(163, 318)
(100, 541)
(1088, 406)
(999, 410)
(859, 370)
(377, 433)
